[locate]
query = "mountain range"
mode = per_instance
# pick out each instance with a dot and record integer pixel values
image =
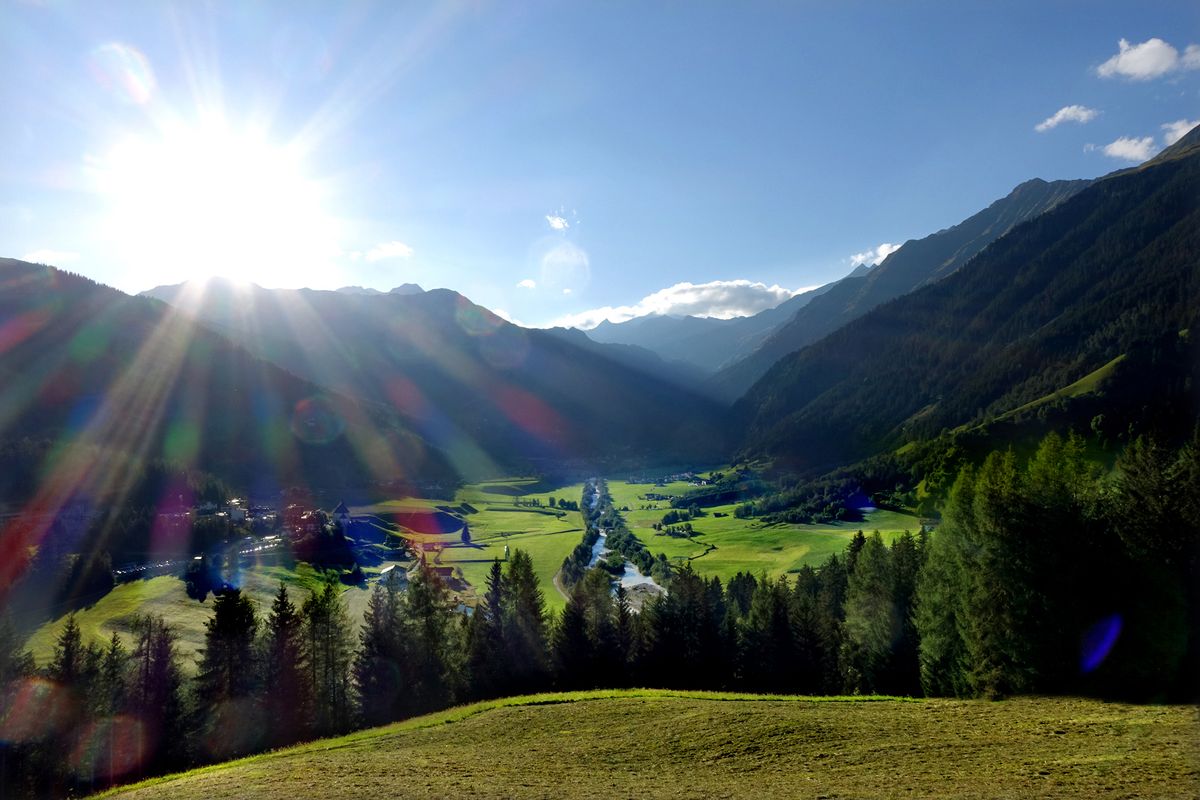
(495, 397)
(1059, 291)
(1102, 289)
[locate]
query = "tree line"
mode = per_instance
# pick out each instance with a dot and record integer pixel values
(1046, 576)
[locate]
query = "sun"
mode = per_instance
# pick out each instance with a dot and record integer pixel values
(196, 201)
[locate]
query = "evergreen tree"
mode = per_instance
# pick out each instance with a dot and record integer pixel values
(15, 661)
(1002, 607)
(905, 674)
(430, 640)
(381, 658)
(570, 646)
(330, 649)
(488, 652)
(287, 700)
(524, 625)
(230, 717)
(108, 697)
(155, 694)
(872, 623)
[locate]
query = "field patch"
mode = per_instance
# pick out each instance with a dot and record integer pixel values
(512, 512)
(723, 545)
(167, 596)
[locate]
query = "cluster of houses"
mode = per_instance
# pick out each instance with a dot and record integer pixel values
(688, 477)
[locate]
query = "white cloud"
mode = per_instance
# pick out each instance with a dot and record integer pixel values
(557, 222)
(720, 299)
(528, 283)
(1080, 114)
(1191, 57)
(874, 256)
(386, 250)
(1177, 129)
(51, 257)
(1131, 149)
(1152, 58)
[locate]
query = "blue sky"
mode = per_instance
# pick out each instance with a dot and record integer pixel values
(552, 159)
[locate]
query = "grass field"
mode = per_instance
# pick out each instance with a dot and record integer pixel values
(547, 537)
(651, 744)
(166, 596)
(724, 546)
(546, 534)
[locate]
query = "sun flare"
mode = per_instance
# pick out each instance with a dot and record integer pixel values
(192, 202)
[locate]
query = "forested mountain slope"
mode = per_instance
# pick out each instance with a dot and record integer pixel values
(97, 384)
(1114, 270)
(917, 263)
(495, 396)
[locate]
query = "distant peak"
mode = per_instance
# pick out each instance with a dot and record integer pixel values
(357, 290)
(407, 288)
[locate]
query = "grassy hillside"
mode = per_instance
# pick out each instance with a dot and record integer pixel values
(672, 744)
(724, 546)
(167, 596)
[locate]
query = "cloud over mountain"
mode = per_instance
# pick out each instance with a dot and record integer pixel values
(720, 299)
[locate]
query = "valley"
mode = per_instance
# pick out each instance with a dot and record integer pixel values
(438, 400)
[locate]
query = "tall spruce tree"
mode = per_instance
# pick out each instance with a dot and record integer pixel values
(872, 622)
(380, 660)
(287, 697)
(231, 721)
(330, 650)
(155, 695)
(525, 626)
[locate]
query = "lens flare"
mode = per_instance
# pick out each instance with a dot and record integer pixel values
(315, 421)
(475, 321)
(35, 709)
(1098, 642)
(123, 71)
(108, 749)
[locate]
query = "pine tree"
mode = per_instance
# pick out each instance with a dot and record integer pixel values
(287, 700)
(488, 652)
(68, 664)
(941, 595)
(525, 626)
(330, 649)
(905, 674)
(872, 624)
(155, 694)
(429, 641)
(570, 646)
(381, 658)
(1001, 603)
(15, 662)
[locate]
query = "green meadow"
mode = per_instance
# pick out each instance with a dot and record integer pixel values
(166, 596)
(651, 744)
(548, 536)
(496, 521)
(724, 546)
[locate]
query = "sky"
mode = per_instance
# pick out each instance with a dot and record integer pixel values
(560, 163)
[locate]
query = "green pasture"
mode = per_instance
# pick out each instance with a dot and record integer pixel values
(724, 546)
(166, 596)
(650, 744)
(547, 534)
